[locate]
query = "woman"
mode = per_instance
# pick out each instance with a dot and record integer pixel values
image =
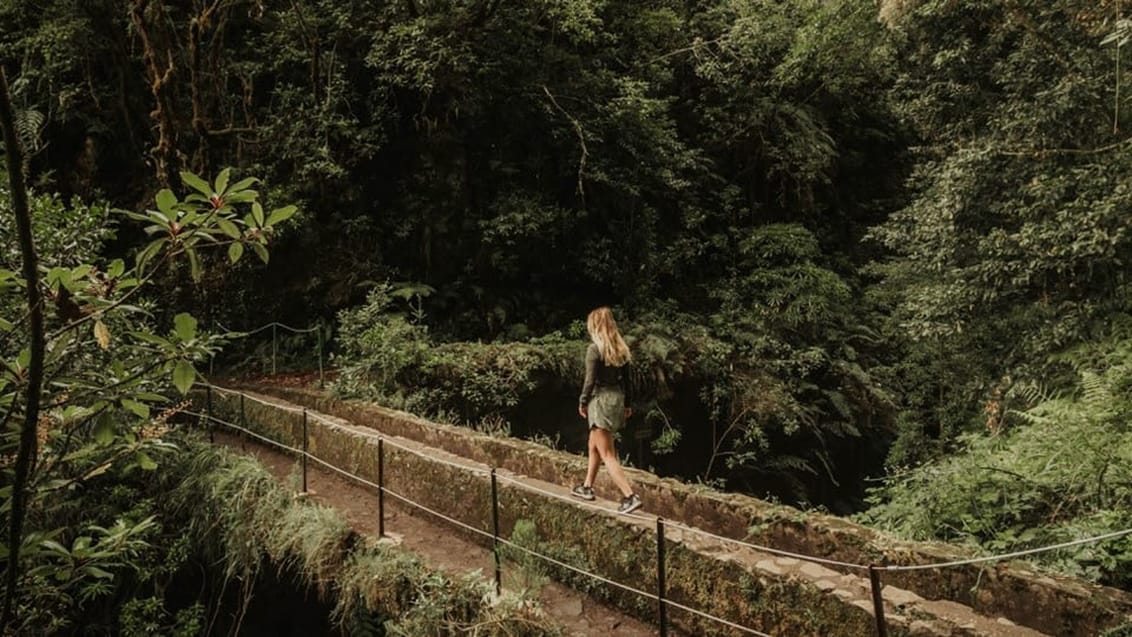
(605, 404)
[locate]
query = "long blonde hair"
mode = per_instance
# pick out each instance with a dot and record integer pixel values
(603, 332)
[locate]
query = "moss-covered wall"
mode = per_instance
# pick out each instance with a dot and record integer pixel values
(1059, 605)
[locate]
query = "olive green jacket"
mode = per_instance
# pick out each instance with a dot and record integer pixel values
(601, 376)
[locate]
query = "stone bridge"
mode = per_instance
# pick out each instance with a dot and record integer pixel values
(728, 555)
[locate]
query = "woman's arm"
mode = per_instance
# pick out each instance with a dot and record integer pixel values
(591, 370)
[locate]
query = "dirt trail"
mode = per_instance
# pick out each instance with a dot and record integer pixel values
(440, 547)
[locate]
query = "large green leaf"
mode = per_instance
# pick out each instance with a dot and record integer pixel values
(145, 462)
(196, 183)
(104, 429)
(260, 251)
(185, 326)
(279, 215)
(229, 228)
(141, 410)
(166, 201)
(242, 185)
(222, 181)
(257, 214)
(183, 376)
(195, 270)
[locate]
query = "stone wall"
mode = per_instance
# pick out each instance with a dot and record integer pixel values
(1056, 605)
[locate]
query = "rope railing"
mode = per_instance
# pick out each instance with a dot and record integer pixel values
(767, 549)
(1007, 556)
(872, 569)
(294, 330)
(274, 326)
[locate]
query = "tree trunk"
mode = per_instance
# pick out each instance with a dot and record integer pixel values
(27, 449)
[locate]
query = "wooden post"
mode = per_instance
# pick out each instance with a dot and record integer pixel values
(878, 600)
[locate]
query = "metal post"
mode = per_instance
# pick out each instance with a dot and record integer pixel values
(304, 450)
(208, 411)
(274, 347)
(662, 611)
(321, 382)
(495, 532)
(878, 600)
(381, 487)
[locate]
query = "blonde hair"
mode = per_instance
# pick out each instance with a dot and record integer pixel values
(604, 334)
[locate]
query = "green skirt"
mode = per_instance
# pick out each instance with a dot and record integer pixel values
(607, 409)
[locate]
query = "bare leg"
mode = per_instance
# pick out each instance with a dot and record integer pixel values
(595, 459)
(604, 441)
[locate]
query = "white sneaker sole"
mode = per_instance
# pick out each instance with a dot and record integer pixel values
(630, 509)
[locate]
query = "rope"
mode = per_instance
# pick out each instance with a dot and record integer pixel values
(438, 514)
(343, 472)
(714, 618)
(595, 576)
(269, 441)
(1006, 556)
(766, 549)
(267, 325)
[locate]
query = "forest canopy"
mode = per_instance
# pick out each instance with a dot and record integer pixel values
(845, 242)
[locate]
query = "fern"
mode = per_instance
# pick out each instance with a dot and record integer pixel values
(29, 128)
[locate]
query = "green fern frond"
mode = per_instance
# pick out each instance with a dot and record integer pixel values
(29, 128)
(1096, 393)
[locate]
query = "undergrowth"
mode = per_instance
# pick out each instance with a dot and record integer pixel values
(1057, 471)
(244, 520)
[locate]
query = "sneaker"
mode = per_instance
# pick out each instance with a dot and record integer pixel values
(583, 492)
(629, 503)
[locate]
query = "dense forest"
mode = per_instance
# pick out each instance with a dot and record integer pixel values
(870, 257)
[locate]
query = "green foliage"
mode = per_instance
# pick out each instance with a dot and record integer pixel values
(421, 602)
(774, 418)
(68, 233)
(379, 345)
(109, 370)
(1012, 245)
(1053, 472)
(524, 162)
(531, 572)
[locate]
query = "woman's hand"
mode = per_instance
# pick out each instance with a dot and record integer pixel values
(582, 411)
